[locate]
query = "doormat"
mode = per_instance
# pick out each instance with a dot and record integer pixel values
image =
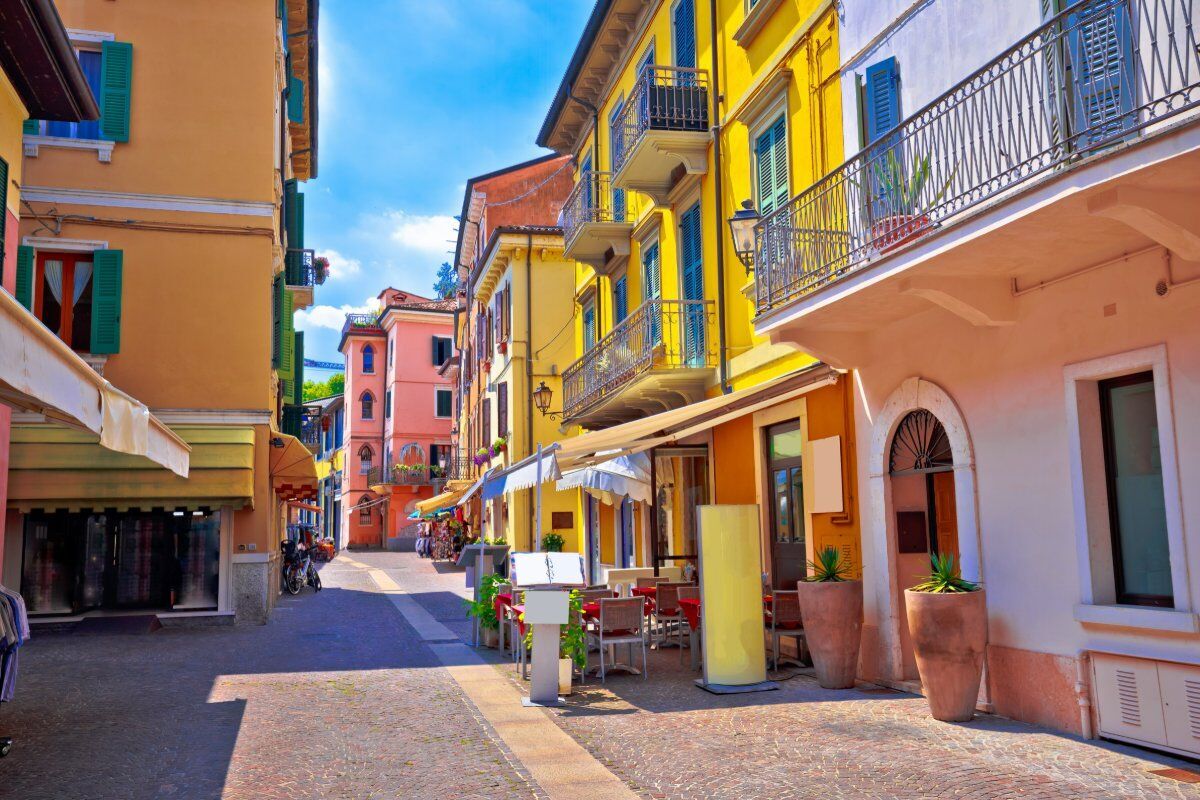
(1176, 774)
(118, 626)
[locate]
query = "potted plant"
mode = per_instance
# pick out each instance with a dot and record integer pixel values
(502, 347)
(831, 604)
(482, 456)
(483, 608)
(898, 200)
(320, 269)
(552, 543)
(499, 446)
(947, 621)
(572, 650)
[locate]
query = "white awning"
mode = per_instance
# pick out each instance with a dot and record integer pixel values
(623, 476)
(475, 487)
(40, 373)
(524, 474)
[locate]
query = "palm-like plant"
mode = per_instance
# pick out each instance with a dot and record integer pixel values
(944, 577)
(829, 567)
(902, 192)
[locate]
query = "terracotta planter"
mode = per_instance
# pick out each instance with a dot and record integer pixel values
(832, 616)
(891, 232)
(949, 635)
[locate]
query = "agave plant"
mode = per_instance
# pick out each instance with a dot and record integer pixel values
(944, 577)
(902, 192)
(829, 567)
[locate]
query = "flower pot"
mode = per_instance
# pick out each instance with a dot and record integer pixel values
(949, 635)
(565, 674)
(889, 233)
(832, 615)
(490, 637)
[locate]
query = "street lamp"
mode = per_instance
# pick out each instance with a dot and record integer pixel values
(542, 396)
(741, 226)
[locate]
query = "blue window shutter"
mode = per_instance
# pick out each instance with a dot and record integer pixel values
(589, 326)
(684, 32)
(106, 301)
(693, 285)
(1100, 47)
(116, 82)
(651, 273)
(620, 300)
(25, 276)
(882, 98)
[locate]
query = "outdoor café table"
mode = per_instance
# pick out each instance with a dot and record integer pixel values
(690, 606)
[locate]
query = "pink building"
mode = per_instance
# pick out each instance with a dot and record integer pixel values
(399, 412)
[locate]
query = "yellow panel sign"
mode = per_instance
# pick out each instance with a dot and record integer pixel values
(731, 588)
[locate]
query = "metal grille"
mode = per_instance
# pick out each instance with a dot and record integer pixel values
(455, 468)
(662, 99)
(299, 268)
(670, 334)
(592, 200)
(920, 445)
(1099, 73)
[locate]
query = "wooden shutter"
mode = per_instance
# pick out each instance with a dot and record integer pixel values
(295, 100)
(292, 215)
(277, 292)
(651, 273)
(771, 166)
(3, 210)
(287, 359)
(1101, 54)
(620, 300)
(116, 82)
(882, 98)
(25, 276)
(106, 301)
(683, 30)
(693, 285)
(298, 372)
(589, 326)
(486, 422)
(437, 352)
(31, 127)
(502, 410)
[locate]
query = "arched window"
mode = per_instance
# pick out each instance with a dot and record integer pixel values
(920, 446)
(366, 457)
(412, 454)
(368, 360)
(368, 405)
(364, 510)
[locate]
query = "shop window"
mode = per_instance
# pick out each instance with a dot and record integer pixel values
(366, 459)
(368, 362)
(367, 400)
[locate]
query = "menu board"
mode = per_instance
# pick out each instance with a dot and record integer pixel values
(546, 569)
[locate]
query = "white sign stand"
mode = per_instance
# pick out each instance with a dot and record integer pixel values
(547, 607)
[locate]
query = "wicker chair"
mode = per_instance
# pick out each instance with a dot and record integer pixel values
(785, 621)
(667, 614)
(621, 621)
(650, 583)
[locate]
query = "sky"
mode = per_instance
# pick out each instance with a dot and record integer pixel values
(415, 98)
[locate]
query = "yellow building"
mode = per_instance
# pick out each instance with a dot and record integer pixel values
(673, 122)
(164, 243)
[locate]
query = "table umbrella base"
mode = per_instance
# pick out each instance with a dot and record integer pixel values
(722, 688)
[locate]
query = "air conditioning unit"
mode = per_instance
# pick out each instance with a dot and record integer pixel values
(1146, 702)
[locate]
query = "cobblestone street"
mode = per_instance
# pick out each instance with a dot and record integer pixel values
(339, 697)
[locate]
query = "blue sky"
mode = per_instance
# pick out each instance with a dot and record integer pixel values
(416, 97)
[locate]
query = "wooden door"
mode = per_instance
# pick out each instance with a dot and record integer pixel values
(945, 514)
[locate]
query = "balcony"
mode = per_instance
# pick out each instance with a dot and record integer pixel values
(660, 357)
(663, 131)
(301, 275)
(597, 222)
(357, 324)
(455, 468)
(1016, 170)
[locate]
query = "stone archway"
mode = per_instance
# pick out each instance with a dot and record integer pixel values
(879, 518)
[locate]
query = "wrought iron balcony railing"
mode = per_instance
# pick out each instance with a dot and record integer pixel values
(660, 334)
(1097, 74)
(455, 468)
(592, 200)
(361, 323)
(300, 268)
(662, 99)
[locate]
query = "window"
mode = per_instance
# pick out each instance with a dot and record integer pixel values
(368, 405)
(771, 166)
(589, 325)
(366, 459)
(683, 33)
(616, 142)
(692, 268)
(364, 510)
(76, 295)
(880, 99)
(1136, 502)
(502, 410)
(389, 352)
(90, 61)
(443, 403)
(368, 360)
(109, 74)
(437, 455)
(486, 422)
(620, 300)
(443, 348)
(387, 404)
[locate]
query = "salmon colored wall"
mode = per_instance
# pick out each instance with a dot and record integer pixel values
(413, 379)
(189, 60)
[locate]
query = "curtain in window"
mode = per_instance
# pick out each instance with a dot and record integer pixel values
(54, 279)
(83, 274)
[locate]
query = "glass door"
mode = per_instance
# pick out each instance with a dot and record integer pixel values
(789, 553)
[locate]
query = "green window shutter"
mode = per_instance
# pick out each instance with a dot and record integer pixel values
(106, 301)
(287, 358)
(277, 292)
(292, 215)
(25, 276)
(31, 127)
(295, 101)
(298, 379)
(116, 81)
(764, 156)
(589, 327)
(299, 220)
(3, 210)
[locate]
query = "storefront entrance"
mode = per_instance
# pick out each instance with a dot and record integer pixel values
(788, 536)
(157, 560)
(680, 484)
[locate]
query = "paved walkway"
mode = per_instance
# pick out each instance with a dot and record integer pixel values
(363, 691)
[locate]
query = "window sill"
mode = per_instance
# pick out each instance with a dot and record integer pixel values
(103, 148)
(756, 19)
(1146, 618)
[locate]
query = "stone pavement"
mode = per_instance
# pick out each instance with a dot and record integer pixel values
(339, 697)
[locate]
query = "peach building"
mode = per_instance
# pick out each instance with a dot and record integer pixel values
(399, 413)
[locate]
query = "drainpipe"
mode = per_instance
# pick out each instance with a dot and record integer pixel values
(1083, 693)
(534, 535)
(718, 191)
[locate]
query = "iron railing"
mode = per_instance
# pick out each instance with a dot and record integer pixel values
(362, 323)
(300, 268)
(455, 468)
(662, 99)
(593, 200)
(660, 334)
(1097, 74)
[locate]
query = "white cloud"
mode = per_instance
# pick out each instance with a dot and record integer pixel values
(332, 317)
(340, 267)
(433, 235)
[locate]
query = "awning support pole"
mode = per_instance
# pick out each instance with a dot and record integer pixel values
(537, 514)
(654, 511)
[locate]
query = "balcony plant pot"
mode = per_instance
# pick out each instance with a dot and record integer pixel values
(831, 612)
(892, 232)
(949, 637)
(502, 348)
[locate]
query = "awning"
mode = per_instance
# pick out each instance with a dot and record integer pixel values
(680, 423)
(474, 489)
(40, 373)
(523, 474)
(293, 468)
(450, 497)
(305, 506)
(623, 476)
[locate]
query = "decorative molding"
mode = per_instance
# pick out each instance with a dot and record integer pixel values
(156, 202)
(69, 245)
(756, 19)
(765, 97)
(1142, 617)
(32, 143)
(94, 37)
(200, 416)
